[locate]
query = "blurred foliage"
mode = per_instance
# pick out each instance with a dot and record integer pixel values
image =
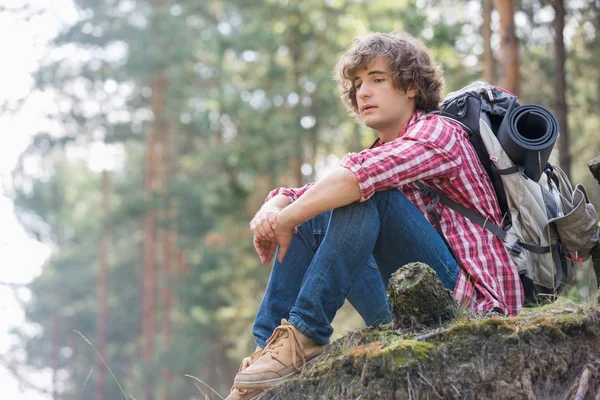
(252, 106)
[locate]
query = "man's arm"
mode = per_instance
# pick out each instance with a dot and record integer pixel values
(338, 189)
(278, 201)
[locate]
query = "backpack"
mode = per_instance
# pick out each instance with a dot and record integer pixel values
(548, 226)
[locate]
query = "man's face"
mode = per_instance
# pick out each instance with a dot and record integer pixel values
(382, 106)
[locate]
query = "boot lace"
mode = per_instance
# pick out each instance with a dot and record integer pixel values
(278, 340)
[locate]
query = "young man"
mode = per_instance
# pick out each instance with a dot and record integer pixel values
(343, 236)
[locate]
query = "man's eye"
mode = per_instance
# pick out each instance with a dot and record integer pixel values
(377, 80)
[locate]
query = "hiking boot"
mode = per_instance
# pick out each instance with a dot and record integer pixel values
(246, 394)
(286, 354)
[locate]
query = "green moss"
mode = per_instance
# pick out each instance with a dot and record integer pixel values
(405, 351)
(322, 367)
(564, 324)
(486, 327)
(555, 322)
(386, 336)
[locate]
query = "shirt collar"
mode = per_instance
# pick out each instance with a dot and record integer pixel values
(411, 121)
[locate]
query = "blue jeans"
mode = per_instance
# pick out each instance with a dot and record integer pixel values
(349, 252)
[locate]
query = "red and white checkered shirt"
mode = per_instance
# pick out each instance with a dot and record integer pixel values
(437, 152)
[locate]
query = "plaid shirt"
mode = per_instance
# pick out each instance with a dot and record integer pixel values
(437, 152)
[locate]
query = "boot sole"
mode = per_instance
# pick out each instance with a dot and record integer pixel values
(269, 383)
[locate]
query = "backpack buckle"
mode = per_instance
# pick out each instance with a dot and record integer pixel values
(516, 250)
(427, 192)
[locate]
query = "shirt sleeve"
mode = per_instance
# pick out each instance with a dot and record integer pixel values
(291, 193)
(428, 149)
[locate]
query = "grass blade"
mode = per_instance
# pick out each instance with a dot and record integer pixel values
(103, 361)
(199, 380)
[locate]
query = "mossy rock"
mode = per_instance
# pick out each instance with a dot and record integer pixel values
(536, 355)
(418, 298)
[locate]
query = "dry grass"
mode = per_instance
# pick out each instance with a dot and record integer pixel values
(125, 395)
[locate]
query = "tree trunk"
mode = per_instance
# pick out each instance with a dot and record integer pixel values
(183, 266)
(154, 148)
(152, 188)
(149, 263)
(486, 33)
(560, 87)
(314, 138)
(509, 47)
(167, 238)
(102, 314)
(298, 152)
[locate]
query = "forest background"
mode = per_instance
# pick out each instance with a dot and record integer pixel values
(171, 122)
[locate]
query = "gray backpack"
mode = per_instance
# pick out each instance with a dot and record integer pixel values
(548, 226)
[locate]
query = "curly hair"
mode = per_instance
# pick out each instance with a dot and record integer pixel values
(410, 64)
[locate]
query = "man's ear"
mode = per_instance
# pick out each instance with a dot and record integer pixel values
(412, 92)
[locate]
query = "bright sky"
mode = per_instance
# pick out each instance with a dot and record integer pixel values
(22, 45)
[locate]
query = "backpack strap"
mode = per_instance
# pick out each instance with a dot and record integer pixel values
(537, 249)
(462, 210)
(435, 198)
(452, 118)
(510, 170)
(474, 217)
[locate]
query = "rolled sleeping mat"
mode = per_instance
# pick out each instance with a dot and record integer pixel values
(527, 134)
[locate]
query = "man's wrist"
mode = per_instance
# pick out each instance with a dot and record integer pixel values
(278, 203)
(287, 219)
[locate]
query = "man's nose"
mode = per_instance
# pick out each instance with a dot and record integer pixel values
(364, 91)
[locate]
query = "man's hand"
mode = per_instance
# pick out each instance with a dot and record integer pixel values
(284, 233)
(264, 223)
(268, 233)
(265, 249)
(263, 226)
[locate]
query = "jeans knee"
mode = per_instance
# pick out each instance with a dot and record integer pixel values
(389, 196)
(317, 225)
